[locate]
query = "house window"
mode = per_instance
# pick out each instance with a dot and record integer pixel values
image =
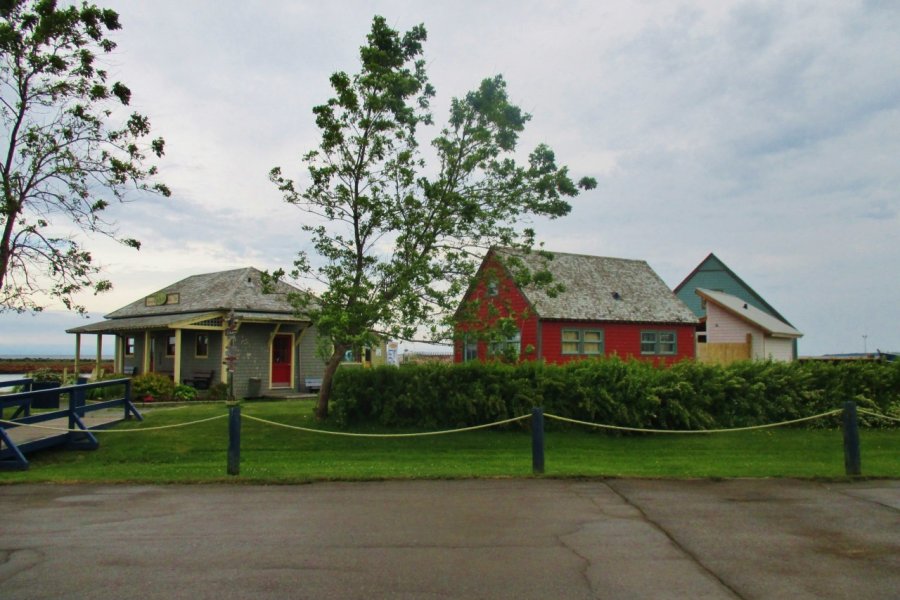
(592, 342)
(129, 345)
(202, 346)
(582, 341)
(470, 349)
(170, 346)
(493, 287)
(571, 341)
(659, 342)
(509, 347)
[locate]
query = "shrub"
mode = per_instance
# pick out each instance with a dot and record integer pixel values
(217, 391)
(688, 395)
(152, 386)
(184, 393)
(45, 376)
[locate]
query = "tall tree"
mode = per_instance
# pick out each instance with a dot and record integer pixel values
(70, 149)
(396, 246)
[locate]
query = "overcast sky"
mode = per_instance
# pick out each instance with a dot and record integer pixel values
(766, 132)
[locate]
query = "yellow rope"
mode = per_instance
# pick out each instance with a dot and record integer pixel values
(157, 428)
(640, 430)
(875, 414)
(385, 435)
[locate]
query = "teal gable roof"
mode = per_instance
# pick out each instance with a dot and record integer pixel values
(713, 274)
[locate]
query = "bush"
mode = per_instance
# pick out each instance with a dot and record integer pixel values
(184, 393)
(688, 395)
(217, 391)
(152, 387)
(45, 376)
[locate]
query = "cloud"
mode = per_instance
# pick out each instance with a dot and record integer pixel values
(763, 131)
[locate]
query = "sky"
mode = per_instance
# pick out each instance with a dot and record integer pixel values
(765, 132)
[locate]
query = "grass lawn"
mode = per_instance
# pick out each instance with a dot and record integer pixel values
(275, 455)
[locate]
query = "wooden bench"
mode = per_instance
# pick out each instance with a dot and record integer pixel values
(313, 383)
(200, 379)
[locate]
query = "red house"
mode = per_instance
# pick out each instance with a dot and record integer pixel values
(595, 306)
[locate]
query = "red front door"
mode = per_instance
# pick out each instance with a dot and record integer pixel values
(281, 361)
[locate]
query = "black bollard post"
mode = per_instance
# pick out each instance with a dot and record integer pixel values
(852, 461)
(537, 441)
(234, 440)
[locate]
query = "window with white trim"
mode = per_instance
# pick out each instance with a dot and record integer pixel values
(511, 346)
(470, 348)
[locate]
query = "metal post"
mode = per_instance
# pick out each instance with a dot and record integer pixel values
(234, 440)
(852, 461)
(537, 441)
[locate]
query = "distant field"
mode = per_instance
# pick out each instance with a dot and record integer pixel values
(26, 365)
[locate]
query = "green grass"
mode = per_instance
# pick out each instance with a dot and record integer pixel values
(274, 455)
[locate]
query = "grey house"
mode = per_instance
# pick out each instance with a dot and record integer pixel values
(181, 330)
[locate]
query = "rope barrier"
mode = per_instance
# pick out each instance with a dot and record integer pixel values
(872, 413)
(386, 435)
(140, 430)
(641, 430)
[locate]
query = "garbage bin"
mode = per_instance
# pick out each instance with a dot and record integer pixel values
(253, 386)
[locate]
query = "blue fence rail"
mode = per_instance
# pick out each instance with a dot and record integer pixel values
(76, 433)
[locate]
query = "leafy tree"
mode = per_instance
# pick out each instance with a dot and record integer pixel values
(70, 149)
(399, 243)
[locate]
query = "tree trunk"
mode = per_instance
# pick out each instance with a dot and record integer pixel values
(325, 391)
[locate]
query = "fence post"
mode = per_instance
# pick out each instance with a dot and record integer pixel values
(537, 440)
(234, 440)
(851, 440)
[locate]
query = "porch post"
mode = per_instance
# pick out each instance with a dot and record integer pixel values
(224, 370)
(145, 368)
(118, 360)
(99, 354)
(177, 369)
(77, 353)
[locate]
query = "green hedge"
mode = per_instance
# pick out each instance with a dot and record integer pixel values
(688, 395)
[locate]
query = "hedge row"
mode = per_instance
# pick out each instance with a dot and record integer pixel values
(688, 395)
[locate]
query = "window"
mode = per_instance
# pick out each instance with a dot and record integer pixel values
(129, 345)
(202, 346)
(659, 342)
(592, 342)
(509, 347)
(170, 346)
(571, 341)
(470, 348)
(493, 287)
(582, 341)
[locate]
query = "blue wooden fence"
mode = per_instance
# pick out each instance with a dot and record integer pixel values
(77, 433)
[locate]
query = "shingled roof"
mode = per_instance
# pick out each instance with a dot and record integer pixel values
(199, 296)
(600, 288)
(239, 289)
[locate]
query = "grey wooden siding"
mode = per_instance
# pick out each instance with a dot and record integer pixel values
(311, 365)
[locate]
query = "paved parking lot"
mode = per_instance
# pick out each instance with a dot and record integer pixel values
(539, 538)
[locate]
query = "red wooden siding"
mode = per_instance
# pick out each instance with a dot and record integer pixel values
(508, 301)
(619, 339)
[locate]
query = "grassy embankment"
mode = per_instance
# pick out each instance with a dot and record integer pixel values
(275, 455)
(28, 365)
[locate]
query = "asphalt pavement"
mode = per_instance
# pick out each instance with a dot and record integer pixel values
(532, 538)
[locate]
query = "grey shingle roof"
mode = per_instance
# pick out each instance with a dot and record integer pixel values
(239, 289)
(600, 288)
